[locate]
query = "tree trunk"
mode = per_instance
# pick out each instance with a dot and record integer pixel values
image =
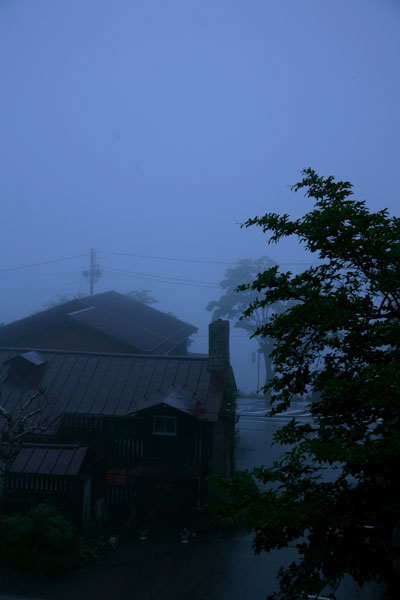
(266, 350)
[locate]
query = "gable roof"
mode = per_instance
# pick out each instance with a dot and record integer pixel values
(120, 384)
(115, 315)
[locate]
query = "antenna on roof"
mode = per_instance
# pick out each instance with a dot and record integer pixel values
(94, 273)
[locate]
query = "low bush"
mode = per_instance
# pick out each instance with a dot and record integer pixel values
(42, 541)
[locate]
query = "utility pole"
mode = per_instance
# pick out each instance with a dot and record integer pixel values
(93, 273)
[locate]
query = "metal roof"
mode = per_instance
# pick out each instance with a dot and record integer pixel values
(121, 384)
(49, 459)
(33, 358)
(115, 315)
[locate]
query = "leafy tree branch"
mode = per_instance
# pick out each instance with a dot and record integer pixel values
(338, 340)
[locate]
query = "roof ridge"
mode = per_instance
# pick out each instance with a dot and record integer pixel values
(91, 353)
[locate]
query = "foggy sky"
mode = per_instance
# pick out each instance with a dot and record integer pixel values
(155, 127)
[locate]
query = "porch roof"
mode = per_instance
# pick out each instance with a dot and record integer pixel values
(49, 459)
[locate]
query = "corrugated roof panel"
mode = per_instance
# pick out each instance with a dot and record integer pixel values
(49, 460)
(65, 456)
(77, 461)
(162, 371)
(62, 461)
(52, 459)
(191, 375)
(83, 391)
(144, 378)
(35, 460)
(170, 372)
(89, 383)
(91, 404)
(182, 372)
(57, 371)
(21, 460)
(134, 323)
(164, 346)
(124, 374)
(101, 394)
(65, 393)
(115, 326)
(128, 387)
(193, 378)
(112, 386)
(157, 377)
(203, 381)
(73, 388)
(143, 338)
(154, 377)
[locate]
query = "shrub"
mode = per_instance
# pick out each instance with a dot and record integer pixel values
(42, 541)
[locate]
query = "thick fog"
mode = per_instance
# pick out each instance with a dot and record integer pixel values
(149, 130)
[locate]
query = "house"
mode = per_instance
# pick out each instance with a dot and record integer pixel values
(107, 322)
(135, 433)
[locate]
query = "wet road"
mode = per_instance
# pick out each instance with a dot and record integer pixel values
(256, 431)
(215, 569)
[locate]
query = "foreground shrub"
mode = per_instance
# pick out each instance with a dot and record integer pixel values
(42, 541)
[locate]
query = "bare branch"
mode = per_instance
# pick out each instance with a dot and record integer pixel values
(4, 413)
(33, 397)
(29, 418)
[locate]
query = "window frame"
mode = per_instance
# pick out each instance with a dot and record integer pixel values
(158, 431)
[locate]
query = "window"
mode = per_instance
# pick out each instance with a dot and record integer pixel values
(164, 425)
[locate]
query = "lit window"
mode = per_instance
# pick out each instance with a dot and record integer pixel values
(164, 425)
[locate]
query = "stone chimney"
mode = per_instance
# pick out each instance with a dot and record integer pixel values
(218, 345)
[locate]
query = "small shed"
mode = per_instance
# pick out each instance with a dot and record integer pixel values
(51, 473)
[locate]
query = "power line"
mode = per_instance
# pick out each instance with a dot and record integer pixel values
(193, 260)
(174, 259)
(187, 260)
(47, 262)
(167, 277)
(160, 279)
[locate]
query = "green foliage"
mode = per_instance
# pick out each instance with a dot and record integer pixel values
(339, 342)
(43, 542)
(232, 304)
(236, 298)
(142, 296)
(60, 299)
